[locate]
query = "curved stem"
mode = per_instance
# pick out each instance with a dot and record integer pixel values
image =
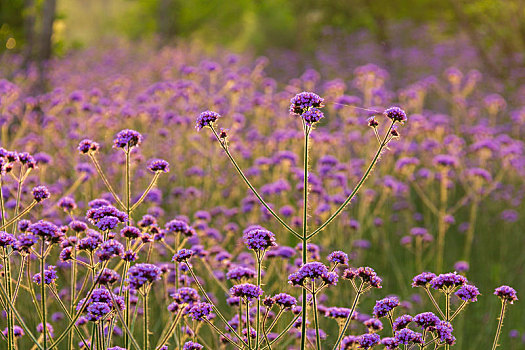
(105, 180)
(146, 322)
(241, 173)
(431, 297)
(146, 191)
(358, 187)
(22, 213)
(349, 318)
(201, 289)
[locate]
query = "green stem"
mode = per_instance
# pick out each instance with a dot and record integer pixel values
(349, 318)
(305, 233)
(146, 322)
(431, 297)
(500, 324)
(146, 191)
(258, 320)
(316, 322)
(43, 292)
(22, 213)
(281, 221)
(358, 187)
(105, 180)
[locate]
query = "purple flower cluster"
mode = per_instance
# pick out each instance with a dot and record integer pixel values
(259, 239)
(143, 274)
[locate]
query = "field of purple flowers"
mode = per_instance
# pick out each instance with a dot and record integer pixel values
(177, 199)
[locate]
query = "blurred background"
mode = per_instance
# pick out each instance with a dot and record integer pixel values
(41, 29)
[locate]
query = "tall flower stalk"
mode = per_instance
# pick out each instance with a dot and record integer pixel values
(307, 106)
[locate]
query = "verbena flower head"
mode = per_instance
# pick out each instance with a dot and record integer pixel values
(247, 291)
(206, 118)
(6, 239)
(259, 239)
(303, 101)
(407, 336)
(338, 257)
(130, 232)
(182, 255)
(367, 275)
(50, 276)
(507, 294)
(108, 276)
(192, 346)
(402, 322)
(179, 226)
(369, 340)
(311, 271)
(200, 311)
(239, 273)
(423, 279)
(373, 325)
(109, 249)
(101, 303)
(448, 281)
(47, 230)
(40, 193)
(426, 320)
(143, 274)
(186, 295)
(285, 300)
(312, 116)
(349, 341)
(17, 331)
(159, 165)
(340, 313)
(468, 293)
(444, 331)
(88, 146)
(384, 306)
(127, 139)
(390, 343)
(396, 114)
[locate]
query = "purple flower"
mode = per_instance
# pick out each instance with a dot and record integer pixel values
(338, 257)
(303, 101)
(206, 119)
(506, 293)
(402, 322)
(199, 311)
(246, 290)
(47, 230)
(40, 193)
(468, 293)
(426, 320)
(158, 165)
(182, 255)
(390, 343)
(423, 279)
(407, 336)
(50, 276)
(312, 271)
(312, 116)
(87, 146)
(240, 272)
(142, 274)
(109, 249)
(448, 280)
(259, 239)
(285, 300)
(384, 306)
(396, 114)
(127, 139)
(192, 346)
(366, 341)
(444, 331)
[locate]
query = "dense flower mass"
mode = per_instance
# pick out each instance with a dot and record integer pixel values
(161, 258)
